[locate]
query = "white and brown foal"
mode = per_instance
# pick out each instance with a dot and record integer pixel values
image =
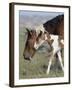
(55, 41)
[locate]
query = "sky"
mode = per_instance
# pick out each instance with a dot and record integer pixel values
(32, 19)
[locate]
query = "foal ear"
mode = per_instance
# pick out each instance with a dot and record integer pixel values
(40, 33)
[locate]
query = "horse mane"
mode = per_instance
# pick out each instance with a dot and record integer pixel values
(52, 24)
(54, 21)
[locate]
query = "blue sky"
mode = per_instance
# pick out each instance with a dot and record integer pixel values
(34, 13)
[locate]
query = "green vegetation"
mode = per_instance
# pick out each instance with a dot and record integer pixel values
(38, 66)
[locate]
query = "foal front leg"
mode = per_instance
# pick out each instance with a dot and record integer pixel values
(49, 65)
(60, 59)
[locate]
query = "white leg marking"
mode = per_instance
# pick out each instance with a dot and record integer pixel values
(60, 59)
(49, 65)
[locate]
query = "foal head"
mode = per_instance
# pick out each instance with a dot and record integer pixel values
(43, 37)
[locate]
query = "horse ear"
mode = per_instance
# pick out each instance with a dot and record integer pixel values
(27, 30)
(30, 32)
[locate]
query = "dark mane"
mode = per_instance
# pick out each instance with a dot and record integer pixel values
(51, 25)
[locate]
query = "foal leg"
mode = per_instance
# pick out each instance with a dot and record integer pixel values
(60, 59)
(49, 65)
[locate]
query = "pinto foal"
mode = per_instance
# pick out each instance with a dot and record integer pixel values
(55, 41)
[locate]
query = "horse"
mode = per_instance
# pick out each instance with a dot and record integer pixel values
(29, 50)
(55, 27)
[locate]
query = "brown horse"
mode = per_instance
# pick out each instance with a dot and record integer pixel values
(54, 26)
(29, 50)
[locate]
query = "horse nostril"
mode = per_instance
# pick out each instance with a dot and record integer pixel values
(26, 58)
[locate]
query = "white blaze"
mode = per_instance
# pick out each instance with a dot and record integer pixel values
(36, 46)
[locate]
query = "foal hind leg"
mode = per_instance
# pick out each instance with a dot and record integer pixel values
(60, 59)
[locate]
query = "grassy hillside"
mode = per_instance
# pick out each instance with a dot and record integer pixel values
(38, 66)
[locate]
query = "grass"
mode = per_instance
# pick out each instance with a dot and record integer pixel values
(38, 66)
